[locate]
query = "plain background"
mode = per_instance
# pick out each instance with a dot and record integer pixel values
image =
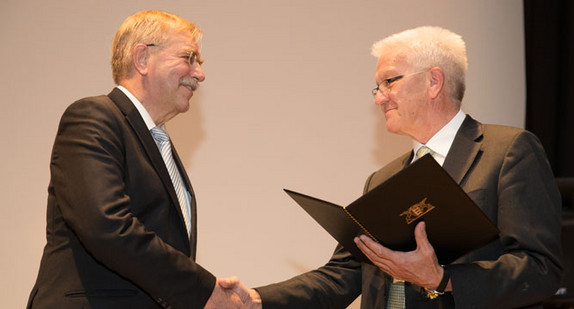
(286, 104)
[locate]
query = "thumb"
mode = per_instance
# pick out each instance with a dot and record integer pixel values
(421, 237)
(228, 283)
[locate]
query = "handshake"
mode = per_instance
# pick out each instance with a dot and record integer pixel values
(231, 293)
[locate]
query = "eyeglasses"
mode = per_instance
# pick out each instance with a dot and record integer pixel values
(386, 85)
(190, 56)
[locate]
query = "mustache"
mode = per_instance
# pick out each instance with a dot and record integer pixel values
(191, 82)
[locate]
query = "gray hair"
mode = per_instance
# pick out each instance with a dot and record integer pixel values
(145, 27)
(428, 47)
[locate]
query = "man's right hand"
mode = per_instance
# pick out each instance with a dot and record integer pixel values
(250, 298)
(224, 298)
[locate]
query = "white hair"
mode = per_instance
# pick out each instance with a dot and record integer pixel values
(427, 47)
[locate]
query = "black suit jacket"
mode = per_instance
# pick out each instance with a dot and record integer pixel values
(115, 233)
(505, 171)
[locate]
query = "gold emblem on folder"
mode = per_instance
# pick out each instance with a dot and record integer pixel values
(417, 210)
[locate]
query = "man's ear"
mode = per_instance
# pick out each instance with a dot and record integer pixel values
(140, 58)
(436, 82)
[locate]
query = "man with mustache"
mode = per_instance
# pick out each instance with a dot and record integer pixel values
(420, 78)
(121, 218)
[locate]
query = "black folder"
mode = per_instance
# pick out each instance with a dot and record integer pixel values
(388, 213)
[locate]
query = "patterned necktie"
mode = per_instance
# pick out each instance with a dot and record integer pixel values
(396, 298)
(162, 140)
(423, 150)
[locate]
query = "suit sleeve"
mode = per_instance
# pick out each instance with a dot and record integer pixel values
(88, 171)
(334, 285)
(524, 265)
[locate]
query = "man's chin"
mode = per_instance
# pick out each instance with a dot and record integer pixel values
(188, 95)
(392, 127)
(184, 106)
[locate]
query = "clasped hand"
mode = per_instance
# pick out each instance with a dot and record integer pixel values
(419, 266)
(231, 293)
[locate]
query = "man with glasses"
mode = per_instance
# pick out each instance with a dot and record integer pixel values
(420, 79)
(121, 219)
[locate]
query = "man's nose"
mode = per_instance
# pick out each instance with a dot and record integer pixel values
(381, 98)
(198, 72)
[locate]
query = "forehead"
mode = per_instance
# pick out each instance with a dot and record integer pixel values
(390, 64)
(183, 40)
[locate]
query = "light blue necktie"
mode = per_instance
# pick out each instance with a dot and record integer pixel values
(162, 140)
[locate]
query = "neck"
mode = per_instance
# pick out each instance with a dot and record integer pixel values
(153, 108)
(434, 122)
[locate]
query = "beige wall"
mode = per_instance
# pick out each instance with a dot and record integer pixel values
(286, 104)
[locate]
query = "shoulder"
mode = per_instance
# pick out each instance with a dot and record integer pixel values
(506, 137)
(92, 105)
(92, 117)
(502, 131)
(93, 109)
(494, 136)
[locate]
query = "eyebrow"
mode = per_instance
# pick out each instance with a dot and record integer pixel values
(189, 52)
(386, 74)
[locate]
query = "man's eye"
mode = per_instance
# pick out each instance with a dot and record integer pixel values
(192, 58)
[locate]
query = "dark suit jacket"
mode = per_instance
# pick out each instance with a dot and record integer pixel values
(115, 233)
(505, 171)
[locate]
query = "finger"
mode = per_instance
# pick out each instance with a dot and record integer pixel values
(370, 248)
(424, 246)
(237, 301)
(364, 248)
(238, 288)
(228, 283)
(379, 261)
(242, 292)
(421, 236)
(255, 297)
(376, 247)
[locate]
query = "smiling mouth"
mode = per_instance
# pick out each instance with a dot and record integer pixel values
(189, 87)
(190, 83)
(387, 107)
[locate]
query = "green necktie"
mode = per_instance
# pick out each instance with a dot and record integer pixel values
(423, 150)
(396, 298)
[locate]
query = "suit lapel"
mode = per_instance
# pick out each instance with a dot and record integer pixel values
(135, 120)
(192, 202)
(464, 150)
(408, 159)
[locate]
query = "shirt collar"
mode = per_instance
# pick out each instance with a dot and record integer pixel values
(141, 109)
(441, 142)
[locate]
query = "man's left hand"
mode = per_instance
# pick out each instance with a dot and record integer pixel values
(419, 266)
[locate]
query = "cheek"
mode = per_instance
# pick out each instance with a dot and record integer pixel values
(175, 77)
(176, 73)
